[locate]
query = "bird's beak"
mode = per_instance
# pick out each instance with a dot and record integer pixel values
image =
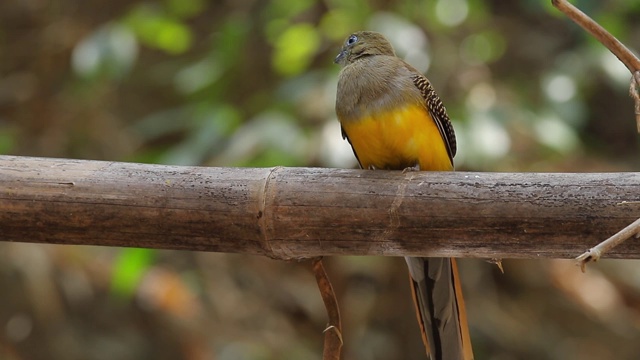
(340, 57)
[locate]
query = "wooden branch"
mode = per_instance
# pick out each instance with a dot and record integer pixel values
(333, 333)
(302, 212)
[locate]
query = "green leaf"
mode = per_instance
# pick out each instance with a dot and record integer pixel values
(295, 48)
(158, 30)
(128, 270)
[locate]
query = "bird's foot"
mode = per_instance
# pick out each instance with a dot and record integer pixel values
(415, 167)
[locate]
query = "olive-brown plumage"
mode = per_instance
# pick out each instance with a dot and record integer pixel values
(393, 119)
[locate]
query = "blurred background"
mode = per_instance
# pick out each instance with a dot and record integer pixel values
(252, 83)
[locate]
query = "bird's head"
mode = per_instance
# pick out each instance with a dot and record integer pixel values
(362, 44)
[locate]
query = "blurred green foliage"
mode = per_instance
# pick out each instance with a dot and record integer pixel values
(185, 81)
(128, 270)
(252, 83)
(158, 30)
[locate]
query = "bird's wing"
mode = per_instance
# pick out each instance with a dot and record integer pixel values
(437, 112)
(345, 137)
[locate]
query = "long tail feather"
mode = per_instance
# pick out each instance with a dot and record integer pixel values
(440, 308)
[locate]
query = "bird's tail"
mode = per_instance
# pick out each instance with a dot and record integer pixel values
(440, 307)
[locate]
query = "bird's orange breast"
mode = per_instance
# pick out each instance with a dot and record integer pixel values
(397, 139)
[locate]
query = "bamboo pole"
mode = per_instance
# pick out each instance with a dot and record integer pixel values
(291, 213)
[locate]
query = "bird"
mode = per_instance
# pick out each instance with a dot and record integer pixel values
(393, 119)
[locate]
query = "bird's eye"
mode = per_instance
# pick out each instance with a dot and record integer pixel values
(352, 40)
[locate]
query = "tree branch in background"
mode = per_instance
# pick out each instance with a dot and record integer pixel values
(614, 45)
(333, 332)
(610, 42)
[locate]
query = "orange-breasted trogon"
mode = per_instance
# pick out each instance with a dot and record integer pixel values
(394, 120)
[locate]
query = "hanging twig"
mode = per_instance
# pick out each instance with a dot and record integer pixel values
(333, 332)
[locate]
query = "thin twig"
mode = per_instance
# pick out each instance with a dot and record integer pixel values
(610, 42)
(614, 45)
(333, 332)
(596, 252)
